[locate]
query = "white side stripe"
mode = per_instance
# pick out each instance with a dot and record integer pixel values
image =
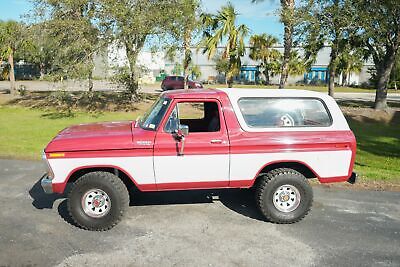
(324, 163)
(140, 168)
(200, 168)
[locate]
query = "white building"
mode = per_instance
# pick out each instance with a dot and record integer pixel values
(155, 63)
(318, 72)
(149, 63)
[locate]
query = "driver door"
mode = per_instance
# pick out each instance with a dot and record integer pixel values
(204, 160)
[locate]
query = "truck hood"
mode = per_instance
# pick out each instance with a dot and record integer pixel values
(93, 136)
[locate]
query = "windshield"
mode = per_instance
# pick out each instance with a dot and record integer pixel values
(152, 118)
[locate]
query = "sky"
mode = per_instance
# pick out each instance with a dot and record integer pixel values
(260, 18)
(14, 9)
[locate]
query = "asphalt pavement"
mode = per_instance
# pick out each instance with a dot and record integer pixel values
(196, 228)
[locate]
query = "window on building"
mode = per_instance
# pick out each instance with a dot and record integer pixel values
(284, 112)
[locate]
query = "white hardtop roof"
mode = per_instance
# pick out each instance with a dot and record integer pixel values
(234, 94)
(261, 92)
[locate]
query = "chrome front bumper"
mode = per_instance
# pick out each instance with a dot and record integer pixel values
(46, 184)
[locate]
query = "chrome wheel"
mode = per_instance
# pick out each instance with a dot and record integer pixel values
(286, 198)
(96, 203)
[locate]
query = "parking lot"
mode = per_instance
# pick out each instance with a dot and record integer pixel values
(197, 228)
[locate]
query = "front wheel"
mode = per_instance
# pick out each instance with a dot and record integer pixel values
(283, 195)
(97, 201)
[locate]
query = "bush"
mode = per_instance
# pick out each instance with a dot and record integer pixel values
(64, 101)
(22, 90)
(131, 85)
(91, 101)
(317, 82)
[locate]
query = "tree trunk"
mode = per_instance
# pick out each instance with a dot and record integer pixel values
(90, 78)
(286, 57)
(332, 71)
(133, 47)
(13, 90)
(133, 84)
(381, 94)
(383, 72)
(381, 87)
(41, 67)
(229, 79)
(267, 79)
(331, 83)
(287, 19)
(344, 78)
(186, 60)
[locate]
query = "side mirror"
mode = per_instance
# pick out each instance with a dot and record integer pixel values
(180, 136)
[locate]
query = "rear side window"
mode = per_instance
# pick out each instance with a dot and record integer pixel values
(261, 112)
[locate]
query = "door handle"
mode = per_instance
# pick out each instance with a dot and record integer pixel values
(216, 141)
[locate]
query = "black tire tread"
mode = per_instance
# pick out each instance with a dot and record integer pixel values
(267, 178)
(116, 182)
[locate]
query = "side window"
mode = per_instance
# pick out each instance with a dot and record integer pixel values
(173, 122)
(199, 116)
(179, 78)
(284, 112)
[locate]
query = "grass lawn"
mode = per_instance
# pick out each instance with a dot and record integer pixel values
(25, 132)
(378, 151)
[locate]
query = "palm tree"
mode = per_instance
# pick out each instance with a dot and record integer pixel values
(288, 20)
(349, 62)
(296, 66)
(220, 27)
(189, 23)
(261, 48)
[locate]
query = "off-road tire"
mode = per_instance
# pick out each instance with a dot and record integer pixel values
(266, 187)
(112, 186)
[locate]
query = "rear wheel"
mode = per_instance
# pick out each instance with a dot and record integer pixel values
(97, 201)
(283, 195)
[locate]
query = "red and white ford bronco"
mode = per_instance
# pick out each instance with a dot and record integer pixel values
(272, 140)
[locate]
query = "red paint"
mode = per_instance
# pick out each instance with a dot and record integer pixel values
(59, 187)
(106, 153)
(192, 185)
(94, 136)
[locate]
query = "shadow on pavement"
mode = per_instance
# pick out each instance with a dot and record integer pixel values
(41, 200)
(63, 212)
(241, 201)
(238, 200)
